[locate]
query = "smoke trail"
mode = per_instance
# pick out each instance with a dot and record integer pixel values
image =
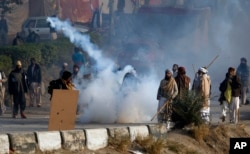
(101, 99)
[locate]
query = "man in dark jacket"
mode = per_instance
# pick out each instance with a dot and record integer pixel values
(17, 86)
(65, 82)
(34, 79)
(230, 93)
(243, 71)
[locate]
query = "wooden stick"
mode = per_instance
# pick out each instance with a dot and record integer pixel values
(238, 113)
(212, 61)
(166, 103)
(194, 69)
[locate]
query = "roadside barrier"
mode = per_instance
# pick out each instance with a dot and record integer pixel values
(72, 140)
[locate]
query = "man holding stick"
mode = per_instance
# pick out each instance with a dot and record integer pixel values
(202, 88)
(167, 91)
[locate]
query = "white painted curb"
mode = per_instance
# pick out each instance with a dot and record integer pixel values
(49, 141)
(4, 142)
(73, 140)
(96, 138)
(136, 131)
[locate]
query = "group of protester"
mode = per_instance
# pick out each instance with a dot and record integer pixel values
(176, 84)
(82, 68)
(234, 89)
(20, 82)
(79, 66)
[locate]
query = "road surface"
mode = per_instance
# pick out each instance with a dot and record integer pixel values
(38, 119)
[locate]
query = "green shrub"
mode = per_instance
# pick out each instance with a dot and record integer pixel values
(187, 110)
(22, 52)
(46, 53)
(49, 55)
(5, 63)
(65, 50)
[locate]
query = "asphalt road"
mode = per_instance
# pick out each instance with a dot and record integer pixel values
(38, 119)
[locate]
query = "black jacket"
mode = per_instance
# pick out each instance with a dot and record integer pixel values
(36, 76)
(235, 84)
(17, 82)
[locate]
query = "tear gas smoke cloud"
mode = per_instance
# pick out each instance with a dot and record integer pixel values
(101, 100)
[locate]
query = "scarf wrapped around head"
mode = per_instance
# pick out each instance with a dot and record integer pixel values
(65, 78)
(69, 85)
(167, 86)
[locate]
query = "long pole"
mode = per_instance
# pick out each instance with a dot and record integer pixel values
(212, 61)
(163, 106)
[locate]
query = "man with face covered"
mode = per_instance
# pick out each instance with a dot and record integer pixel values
(17, 86)
(167, 91)
(230, 92)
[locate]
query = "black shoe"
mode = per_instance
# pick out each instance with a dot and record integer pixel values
(247, 102)
(223, 118)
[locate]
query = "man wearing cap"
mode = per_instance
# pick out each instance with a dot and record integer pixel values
(243, 73)
(202, 87)
(167, 91)
(3, 30)
(34, 79)
(64, 68)
(17, 86)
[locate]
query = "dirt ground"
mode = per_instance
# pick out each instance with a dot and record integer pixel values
(216, 141)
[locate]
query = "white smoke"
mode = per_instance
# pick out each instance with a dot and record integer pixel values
(101, 99)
